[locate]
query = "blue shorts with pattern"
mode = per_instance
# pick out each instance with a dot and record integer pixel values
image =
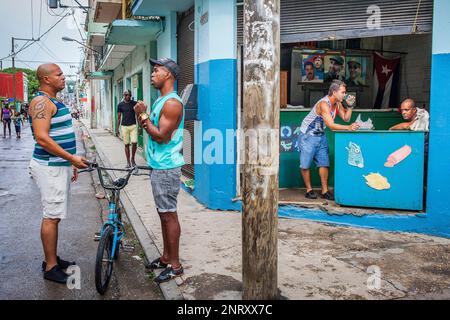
(313, 148)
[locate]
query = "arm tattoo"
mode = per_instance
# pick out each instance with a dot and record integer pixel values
(38, 111)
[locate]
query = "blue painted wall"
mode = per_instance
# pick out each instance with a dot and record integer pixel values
(216, 77)
(439, 157)
(215, 182)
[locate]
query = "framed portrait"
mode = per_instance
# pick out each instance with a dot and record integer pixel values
(356, 71)
(312, 66)
(334, 67)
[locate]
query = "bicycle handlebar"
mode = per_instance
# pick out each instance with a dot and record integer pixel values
(120, 183)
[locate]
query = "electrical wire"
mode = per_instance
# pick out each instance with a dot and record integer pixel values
(49, 53)
(32, 20)
(76, 24)
(41, 61)
(36, 40)
(40, 17)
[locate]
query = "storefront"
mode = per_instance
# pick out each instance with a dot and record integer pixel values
(380, 49)
(357, 32)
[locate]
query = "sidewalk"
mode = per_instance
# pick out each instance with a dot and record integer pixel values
(315, 260)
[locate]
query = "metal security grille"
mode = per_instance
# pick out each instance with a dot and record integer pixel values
(188, 149)
(185, 59)
(316, 20)
(185, 49)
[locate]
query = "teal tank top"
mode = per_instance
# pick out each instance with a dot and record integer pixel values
(165, 156)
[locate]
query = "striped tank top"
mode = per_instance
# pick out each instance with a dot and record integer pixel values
(313, 123)
(61, 131)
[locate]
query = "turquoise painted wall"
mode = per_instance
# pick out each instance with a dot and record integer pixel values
(405, 179)
(216, 77)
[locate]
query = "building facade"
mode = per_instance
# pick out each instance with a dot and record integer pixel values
(206, 38)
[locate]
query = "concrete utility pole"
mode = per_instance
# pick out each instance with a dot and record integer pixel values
(13, 58)
(261, 128)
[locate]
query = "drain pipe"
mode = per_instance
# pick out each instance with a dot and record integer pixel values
(124, 9)
(162, 27)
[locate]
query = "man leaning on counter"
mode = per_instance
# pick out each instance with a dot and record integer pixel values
(417, 119)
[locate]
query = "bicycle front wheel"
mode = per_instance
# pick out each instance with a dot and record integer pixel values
(104, 261)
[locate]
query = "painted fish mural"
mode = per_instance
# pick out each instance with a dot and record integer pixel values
(398, 156)
(355, 157)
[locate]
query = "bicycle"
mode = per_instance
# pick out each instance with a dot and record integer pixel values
(113, 230)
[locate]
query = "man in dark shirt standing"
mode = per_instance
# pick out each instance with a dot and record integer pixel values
(127, 121)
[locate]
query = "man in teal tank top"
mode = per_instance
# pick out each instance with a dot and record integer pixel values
(164, 126)
(54, 163)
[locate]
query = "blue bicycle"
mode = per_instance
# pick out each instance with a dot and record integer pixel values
(112, 231)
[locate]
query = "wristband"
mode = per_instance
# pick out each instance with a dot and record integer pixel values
(143, 116)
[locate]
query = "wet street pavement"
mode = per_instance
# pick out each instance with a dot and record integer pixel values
(20, 245)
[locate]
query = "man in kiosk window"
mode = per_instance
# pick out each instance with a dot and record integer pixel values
(417, 119)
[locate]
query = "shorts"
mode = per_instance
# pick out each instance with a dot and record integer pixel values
(17, 128)
(313, 148)
(54, 184)
(129, 134)
(165, 187)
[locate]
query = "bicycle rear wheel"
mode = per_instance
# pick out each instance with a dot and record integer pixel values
(104, 261)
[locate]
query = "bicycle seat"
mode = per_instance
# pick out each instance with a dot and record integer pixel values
(119, 183)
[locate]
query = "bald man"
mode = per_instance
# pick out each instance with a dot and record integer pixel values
(53, 164)
(416, 119)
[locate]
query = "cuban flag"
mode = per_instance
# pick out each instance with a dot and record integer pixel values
(386, 80)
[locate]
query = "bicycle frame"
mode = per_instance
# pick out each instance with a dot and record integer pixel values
(113, 202)
(113, 224)
(114, 221)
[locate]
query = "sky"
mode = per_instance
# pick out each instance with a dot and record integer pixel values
(32, 18)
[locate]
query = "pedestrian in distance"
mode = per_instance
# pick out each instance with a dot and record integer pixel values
(6, 120)
(18, 122)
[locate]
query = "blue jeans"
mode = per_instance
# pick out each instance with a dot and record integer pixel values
(313, 148)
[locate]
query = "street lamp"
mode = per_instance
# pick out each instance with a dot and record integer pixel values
(75, 40)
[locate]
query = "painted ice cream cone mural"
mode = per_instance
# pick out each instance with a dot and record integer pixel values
(398, 156)
(377, 181)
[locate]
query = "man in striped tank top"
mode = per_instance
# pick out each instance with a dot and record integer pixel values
(313, 144)
(53, 164)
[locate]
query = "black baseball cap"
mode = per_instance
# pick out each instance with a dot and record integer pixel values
(171, 65)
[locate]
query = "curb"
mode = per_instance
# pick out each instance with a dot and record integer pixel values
(169, 289)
